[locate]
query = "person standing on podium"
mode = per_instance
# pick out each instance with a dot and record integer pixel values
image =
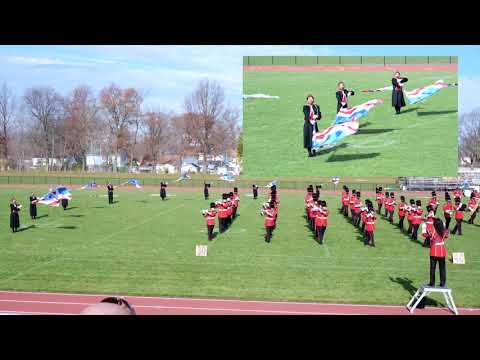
(438, 252)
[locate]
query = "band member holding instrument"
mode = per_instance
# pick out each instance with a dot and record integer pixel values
(410, 214)
(321, 220)
(311, 112)
(434, 202)
(269, 214)
(342, 95)
(14, 217)
(429, 227)
(398, 100)
(370, 226)
(448, 210)
(472, 207)
(459, 210)
(417, 219)
(379, 197)
(33, 206)
(345, 200)
(209, 216)
(402, 207)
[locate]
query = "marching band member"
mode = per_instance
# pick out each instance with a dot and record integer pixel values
(472, 207)
(370, 227)
(386, 201)
(236, 202)
(391, 207)
(351, 204)
(379, 197)
(209, 216)
(438, 252)
(269, 215)
(222, 215)
(398, 101)
(311, 112)
(356, 208)
(363, 214)
(321, 221)
(417, 219)
(448, 210)
(33, 206)
(345, 201)
(342, 95)
(14, 217)
(402, 207)
(429, 225)
(459, 209)
(411, 209)
(457, 193)
(434, 202)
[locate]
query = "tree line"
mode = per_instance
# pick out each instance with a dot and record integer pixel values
(43, 123)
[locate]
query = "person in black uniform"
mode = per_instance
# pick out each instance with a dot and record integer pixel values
(398, 101)
(163, 190)
(14, 217)
(33, 206)
(64, 203)
(342, 95)
(255, 191)
(317, 191)
(205, 190)
(110, 193)
(311, 112)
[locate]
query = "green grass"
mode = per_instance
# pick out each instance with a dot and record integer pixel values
(144, 246)
(420, 142)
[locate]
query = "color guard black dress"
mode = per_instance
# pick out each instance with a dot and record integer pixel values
(33, 207)
(398, 101)
(308, 128)
(14, 217)
(342, 96)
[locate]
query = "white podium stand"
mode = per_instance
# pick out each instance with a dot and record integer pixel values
(425, 290)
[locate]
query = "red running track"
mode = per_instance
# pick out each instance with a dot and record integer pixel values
(20, 303)
(446, 67)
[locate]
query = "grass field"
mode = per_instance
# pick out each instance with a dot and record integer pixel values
(422, 141)
(143, 246)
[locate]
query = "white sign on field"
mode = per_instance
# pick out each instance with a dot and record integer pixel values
(201, 250)
(458, 258)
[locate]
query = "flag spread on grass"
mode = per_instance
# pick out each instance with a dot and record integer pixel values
(63, 193)
(91, 185)
(356, 112)
(50, 199)
(53, 197)
(422, 93)
(133, 182)
(334, 133)
(227, 177)
(260, 96)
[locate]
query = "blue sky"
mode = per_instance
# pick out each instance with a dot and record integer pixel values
(167, 73)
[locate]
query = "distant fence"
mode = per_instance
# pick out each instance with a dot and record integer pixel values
(82, 180)
(348, 60)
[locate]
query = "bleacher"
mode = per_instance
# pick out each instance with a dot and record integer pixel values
(438, 183)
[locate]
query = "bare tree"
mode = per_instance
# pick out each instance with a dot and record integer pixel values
(44, 105)
(120, 107)
(209, 119)
(80, 117)
(7, 113)
(469, 144)
(156, 128)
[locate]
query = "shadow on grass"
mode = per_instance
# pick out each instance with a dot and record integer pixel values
(77, 216)
(71, 208)
(364, 124)
(41, 216)
(351, 157)
(25, 228)
(408, 110)
(321, 152)
(98, 207)
(374, 131)
(69, 227)
(428, 113)
(408, 286)
(142, 201)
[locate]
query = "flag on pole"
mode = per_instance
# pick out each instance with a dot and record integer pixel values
(134, 182)
(356, 112)
(333, 134)
(422, 93)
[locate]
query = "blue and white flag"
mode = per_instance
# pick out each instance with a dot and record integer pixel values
(356, 112)
(134, 182)
(422, 93)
